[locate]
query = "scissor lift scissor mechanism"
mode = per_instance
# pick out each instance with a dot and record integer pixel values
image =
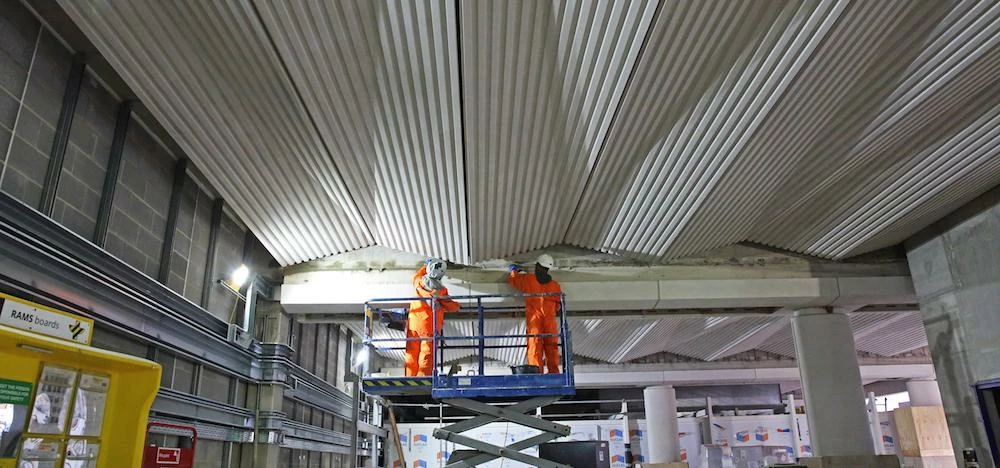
(522, 393)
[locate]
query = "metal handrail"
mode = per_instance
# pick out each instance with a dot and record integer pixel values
(482, 305)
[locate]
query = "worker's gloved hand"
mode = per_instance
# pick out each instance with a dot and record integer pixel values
(513, 268)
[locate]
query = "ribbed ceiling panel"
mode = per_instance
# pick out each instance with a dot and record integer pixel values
(381, 82)
(478, 129)
(541, 81)
(828, 107)
(717, 341)
(682, 169)
(951, 197)
(781, 343)
(694, 53)
(865, 324)
(655, 340)
(755, 335)
(904, 333)
(209, 75)
(829, 103)
(607, 341)
(950, 165)
(928, 132)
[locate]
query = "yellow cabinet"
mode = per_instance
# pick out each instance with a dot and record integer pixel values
(65, 404)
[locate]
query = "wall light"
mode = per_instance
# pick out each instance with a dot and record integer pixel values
(239, 276)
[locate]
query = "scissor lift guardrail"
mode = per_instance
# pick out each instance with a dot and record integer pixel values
(529, 391)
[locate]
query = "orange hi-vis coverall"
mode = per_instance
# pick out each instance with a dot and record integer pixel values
(541, 319)
(420, 324)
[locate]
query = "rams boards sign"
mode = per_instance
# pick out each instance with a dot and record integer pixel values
(18, 313)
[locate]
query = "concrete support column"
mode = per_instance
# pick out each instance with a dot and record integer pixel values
(265, 450)
(661, 423)
(831, 382)
(924, 393)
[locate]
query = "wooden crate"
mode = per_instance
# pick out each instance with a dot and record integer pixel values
(922, 431)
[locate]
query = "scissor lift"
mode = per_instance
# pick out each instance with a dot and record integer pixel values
(524, 393)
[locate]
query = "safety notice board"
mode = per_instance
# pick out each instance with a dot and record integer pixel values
(65, 404)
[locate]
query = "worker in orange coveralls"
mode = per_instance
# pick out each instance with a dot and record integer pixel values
(540, 312)
(420, 320)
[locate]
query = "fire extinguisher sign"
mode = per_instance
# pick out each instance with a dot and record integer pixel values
(168, 456)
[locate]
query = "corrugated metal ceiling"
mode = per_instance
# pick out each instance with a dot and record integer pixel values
(656, 128)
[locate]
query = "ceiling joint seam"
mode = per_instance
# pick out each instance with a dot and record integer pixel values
(312, 120)
(470, 253)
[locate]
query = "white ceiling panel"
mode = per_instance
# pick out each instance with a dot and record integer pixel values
(478, 129)
(541, 82)
(691, 70)
(207, 72)
(379, 79)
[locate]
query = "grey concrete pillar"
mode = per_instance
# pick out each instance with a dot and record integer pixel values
(831, 382)
(924, 393)
(661, 424)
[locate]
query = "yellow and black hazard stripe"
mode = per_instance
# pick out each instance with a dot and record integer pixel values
(398, 383)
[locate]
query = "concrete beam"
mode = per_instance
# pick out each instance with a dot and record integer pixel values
(586, 379)
(340, 292)
(784, 292)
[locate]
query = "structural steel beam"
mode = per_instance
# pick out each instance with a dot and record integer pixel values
(213, 241)
(176, 195)
(61, 140)
(114, 169)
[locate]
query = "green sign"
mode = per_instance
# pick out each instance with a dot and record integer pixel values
(15, 392)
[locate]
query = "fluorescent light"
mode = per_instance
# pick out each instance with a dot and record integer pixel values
(239, 276)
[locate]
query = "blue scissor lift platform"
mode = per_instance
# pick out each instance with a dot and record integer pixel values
(470, 390)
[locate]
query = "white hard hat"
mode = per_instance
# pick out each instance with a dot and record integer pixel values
(545, 260)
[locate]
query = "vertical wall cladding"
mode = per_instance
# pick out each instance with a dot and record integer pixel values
(139, 214)
(228, 257)
(191, 235)
(78, 197)
(18, 34)
(35, 129)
